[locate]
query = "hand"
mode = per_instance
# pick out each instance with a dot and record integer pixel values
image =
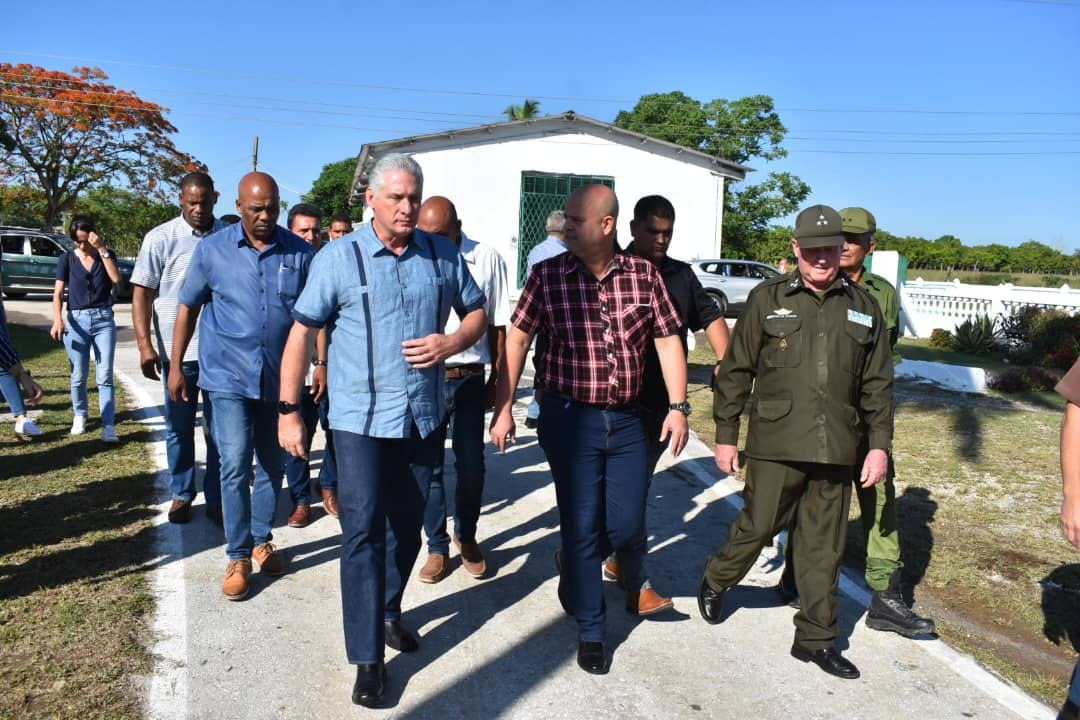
(427, 351)
(95, 241)
(675, 425)
(319, 388)
(150, 363)
(292, 435)
(727, 459)
(874, 468)
(57, 331)
(34, 392)
(503, 430)
(177, 384)
(1070, 520)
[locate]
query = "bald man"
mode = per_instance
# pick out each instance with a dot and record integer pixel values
(247, 277)
(600, 309)
(467, 397)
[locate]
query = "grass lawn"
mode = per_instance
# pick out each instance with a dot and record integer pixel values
(978, 494)
(75, 601)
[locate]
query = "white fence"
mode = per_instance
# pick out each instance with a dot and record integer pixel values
(929, 305)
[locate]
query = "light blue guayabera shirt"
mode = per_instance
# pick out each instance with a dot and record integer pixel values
(248, 297)
(373, 300)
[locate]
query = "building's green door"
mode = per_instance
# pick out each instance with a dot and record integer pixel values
(541, 193)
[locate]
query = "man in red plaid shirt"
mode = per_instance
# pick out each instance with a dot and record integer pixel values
(599, 309)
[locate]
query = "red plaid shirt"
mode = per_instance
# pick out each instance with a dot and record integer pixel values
(597, 330)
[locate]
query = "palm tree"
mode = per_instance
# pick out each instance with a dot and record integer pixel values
(528, 109)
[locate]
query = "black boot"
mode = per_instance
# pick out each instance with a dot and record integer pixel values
(888, 611)
(789, 593)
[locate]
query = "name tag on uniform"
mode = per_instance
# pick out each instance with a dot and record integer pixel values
(860, 318)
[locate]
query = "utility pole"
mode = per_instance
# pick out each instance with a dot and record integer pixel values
(255, 155)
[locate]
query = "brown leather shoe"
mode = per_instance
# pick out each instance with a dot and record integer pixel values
(301, 516)
(270, 560)
(237, 573)
(329, 502)
(647, 602)
(180, 512)
(611, 571)
(435, 568)
(471, 558)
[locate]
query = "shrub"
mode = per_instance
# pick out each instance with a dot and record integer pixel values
(941, 339)
(1018, 379)
(1016, 327)
(1055, 339)
(978, 336)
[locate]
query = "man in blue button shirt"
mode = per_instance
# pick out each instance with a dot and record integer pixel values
(384, 293)
(248, 277)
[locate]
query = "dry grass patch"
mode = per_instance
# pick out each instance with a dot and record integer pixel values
(74, 596)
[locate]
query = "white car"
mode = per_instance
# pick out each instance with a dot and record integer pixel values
(728, 282)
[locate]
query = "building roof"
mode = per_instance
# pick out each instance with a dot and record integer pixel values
(564, 124)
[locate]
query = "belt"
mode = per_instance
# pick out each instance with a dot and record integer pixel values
(633, 407)
(460, 371)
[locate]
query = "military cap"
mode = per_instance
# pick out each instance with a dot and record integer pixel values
(819, 226)
(858, 221)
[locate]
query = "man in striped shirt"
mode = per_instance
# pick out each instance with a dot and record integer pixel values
(600, 309)
(159, 274)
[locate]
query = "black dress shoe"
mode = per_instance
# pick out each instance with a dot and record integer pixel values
(789, 593)
(710, 603)
(399, 637)
(828, 659)
(369, 685)
(564, 591)
(592, 658)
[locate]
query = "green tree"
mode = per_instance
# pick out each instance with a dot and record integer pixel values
(331, 190)
(524, 111)
(22, 205)
(736, 130)
(72, 132)
(123, 217)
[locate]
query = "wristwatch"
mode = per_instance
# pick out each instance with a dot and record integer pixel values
(683, 407)
(105, 254)
(286, 408)
(318, 363)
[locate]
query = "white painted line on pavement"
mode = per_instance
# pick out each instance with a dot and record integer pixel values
(167, 698)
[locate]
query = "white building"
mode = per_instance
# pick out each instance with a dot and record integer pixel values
(506, 177)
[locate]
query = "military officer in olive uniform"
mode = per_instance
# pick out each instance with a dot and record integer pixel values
(814, 347)
(877, 504)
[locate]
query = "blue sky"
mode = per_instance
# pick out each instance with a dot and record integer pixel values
(954, 117)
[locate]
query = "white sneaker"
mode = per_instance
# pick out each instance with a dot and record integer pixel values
(108, 434)
(27, 427)
(78, 426)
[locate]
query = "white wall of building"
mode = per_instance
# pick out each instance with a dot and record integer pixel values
(484, 183)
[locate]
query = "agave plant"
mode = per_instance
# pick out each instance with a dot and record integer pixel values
(977, 336)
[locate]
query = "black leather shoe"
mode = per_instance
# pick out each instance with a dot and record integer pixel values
(369, 685)
(564, 591)
(710, 603)
(399, 637)
(829, 659)
(592, 658)
(789, 593)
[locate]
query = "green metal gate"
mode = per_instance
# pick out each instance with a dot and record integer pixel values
(541, 193)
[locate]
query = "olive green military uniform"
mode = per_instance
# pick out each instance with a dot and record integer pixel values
(822, 378)
(877, 504)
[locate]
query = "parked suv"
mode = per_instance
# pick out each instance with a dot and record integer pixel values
(728, 282)
(28, 262)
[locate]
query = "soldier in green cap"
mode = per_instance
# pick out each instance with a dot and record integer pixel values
(877, 504)
(814, 348)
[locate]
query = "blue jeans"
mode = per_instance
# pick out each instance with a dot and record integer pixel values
(9, 388)
(242, 427)
(298, 470)
(92, 329)
(597, 459)
(382, 486)
(465, 404)
(180, 421)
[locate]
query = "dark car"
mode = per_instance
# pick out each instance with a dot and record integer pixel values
(728, 282)
(28, 262)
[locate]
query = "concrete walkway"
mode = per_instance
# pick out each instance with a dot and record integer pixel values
(501, 647)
